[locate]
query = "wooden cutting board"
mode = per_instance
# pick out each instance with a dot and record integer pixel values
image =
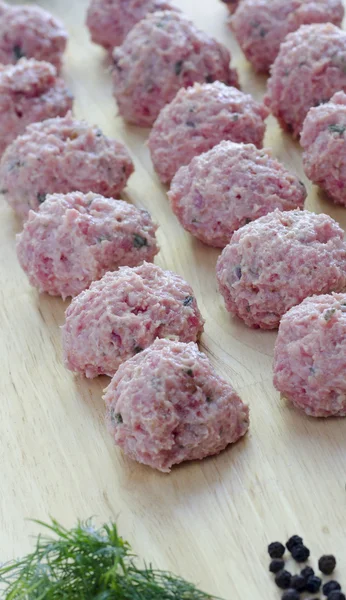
(209, 521)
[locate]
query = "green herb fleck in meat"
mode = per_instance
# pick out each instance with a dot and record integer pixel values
(329, 313)
(238, 272)
(139, 241)
(41, 197)
(188, 301)
(235, 117)
(137, 349)
(18, 52)
(88, 563)
(189, 372)
(178, 67)
(337, 129)
(118, 418)
(209, 399)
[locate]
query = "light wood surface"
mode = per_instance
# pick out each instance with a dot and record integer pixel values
(209, 521)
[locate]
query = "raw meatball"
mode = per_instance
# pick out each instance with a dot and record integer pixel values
(167, 405)
(60, 156)
(230, 186)
(109, 21)
(74, 239)
(30, 91)
(310, 356)
(200, 117)
(232, 5)
(161, 54)
(323, 139)
(123, 313)
(309, 69)
(31, 32)
(275, 262)
(261, 25)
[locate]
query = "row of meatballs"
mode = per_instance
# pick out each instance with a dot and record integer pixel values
(201, 420)
(72, 238)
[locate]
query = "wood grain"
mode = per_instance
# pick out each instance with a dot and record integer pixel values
(209, 521)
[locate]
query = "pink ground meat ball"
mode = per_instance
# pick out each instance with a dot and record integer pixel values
(31, 32)
(168, 405)
(161, 54)
(310, 356)
(260, 26)
(61, 155)
(74, 239)
(229, 186)
(197, 119)
(308, 70)
(324, 143)
(109, 21)
(30, 91)
(123, 313)
(275, 262)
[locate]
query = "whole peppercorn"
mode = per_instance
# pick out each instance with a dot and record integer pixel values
(313, 584)
(283, 580)
(295, 540)
(276, 550)
(300, 553)
(298, 583)
(276, 565)
(327, 564)
(331, 586)
(307, 572)
(336, 595)
(290, 594)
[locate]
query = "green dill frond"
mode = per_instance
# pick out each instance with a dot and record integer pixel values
(85, 563)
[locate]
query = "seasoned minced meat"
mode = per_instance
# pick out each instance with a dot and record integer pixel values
(62, 155)
(162, 53)
(123, 313)
(278, 260)
(74, 239)
(167, 405)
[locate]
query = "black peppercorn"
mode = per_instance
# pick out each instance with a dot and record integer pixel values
(336, 595)
(307, 572)
(295, 540)
(290, 594)
(298, 583)
(283, 580)
(276, 565)
(313, 584)
(331, 586)
(327, 564)
(300, 553)
(276, 550)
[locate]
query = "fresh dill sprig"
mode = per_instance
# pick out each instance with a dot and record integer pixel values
(85, 563)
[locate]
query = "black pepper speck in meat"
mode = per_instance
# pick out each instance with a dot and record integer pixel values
(327, 564)
(276, 565)
(336, 595)
(276, 550)
(298, 583)
(331, 586)
(294, 540)
(300, 553)
(283, 580)
(290, 594)
(313, 584)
